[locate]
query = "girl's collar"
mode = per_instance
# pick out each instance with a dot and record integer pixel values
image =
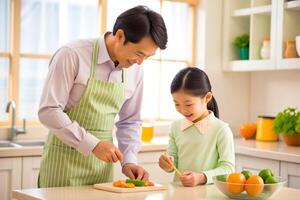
(202, 125)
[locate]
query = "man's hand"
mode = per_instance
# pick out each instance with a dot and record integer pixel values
(107, 152)
(134, 171)
(191, 179)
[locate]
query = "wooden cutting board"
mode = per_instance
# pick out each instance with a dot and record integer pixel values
(111, 188)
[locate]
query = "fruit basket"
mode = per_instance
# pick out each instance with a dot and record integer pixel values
(247, 191)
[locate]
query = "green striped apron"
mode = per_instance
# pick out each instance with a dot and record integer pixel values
(63, 165)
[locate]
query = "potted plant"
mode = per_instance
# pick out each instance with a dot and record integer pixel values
(242, 43)
(287, 123)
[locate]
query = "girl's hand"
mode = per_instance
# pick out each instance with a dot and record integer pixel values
(191, 179)
(165, 162)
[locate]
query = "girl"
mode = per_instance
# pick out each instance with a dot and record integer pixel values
(200, 145)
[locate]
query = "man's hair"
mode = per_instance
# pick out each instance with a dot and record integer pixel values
(140, 21)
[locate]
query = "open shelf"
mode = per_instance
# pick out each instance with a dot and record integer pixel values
(288, 30)
(277, 20)
(255, 3)
(292, 5)
(250, 65)
(250, 11)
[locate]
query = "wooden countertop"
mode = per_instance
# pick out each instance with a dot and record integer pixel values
(174, 192)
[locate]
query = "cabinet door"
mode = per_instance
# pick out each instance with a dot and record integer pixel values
(291, 173)
(254, 164)
(10, 176)
(149, 161)
(30, 171)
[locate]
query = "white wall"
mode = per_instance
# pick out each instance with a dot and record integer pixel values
(273, 91)
(231, 90)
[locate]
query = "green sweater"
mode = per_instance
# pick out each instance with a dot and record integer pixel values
(211, 153)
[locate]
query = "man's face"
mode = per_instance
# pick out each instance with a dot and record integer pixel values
(134, 53)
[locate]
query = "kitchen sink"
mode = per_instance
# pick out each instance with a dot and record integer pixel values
(5, 144)
(30, 143)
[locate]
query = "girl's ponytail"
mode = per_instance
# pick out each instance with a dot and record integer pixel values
(213, 106)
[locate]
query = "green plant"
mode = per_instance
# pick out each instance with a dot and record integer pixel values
(242, 41)
(287, 122)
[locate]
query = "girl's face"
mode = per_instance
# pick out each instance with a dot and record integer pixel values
(193, 108)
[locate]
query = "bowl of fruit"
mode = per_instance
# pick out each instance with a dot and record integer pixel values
(246, 185)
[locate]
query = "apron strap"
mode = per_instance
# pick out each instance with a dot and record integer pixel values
(94, 58)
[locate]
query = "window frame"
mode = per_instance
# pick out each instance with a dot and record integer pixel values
(14, 54)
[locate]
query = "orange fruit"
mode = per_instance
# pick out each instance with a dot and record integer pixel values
(254, 185)
(248, 130)
(235, 183)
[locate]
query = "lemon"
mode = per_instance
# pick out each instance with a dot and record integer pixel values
(271, 180)
(265, 173)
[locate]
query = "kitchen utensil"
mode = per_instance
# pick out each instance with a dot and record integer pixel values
(178, 173)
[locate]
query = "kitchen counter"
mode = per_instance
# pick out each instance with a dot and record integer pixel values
(157, 144)
(174, 192)
(270, 150)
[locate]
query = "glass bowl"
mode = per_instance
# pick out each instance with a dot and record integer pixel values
(262, 192)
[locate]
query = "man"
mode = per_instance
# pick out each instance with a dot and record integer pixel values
(86, 87)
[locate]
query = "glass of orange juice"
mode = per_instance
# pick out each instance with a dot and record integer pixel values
(147, 131)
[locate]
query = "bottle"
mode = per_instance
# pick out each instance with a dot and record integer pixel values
(265, 49)
(290, 49)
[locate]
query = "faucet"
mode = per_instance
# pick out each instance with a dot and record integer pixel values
(14, 129)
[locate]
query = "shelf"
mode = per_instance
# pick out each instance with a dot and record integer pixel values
(250, 65)
(274, 19)
(250, 11)
(291, 63)
(292, 5)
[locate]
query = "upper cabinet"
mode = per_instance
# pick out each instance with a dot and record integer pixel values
(274, 20)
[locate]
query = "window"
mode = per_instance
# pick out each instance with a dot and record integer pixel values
(161, 68)
(40, 27)
(4, 56)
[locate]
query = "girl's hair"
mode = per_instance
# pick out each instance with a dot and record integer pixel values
(194, 81)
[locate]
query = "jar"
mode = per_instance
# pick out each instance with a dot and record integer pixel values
(290, 49)
(265, 49)
(264, 130)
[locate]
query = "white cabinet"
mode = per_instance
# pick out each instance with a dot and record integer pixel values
(10, 176)
(30, 171)
(287, 170)
(277, 20)
(149, 161)
(255, 164)
(18, 173)
(291, 172)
